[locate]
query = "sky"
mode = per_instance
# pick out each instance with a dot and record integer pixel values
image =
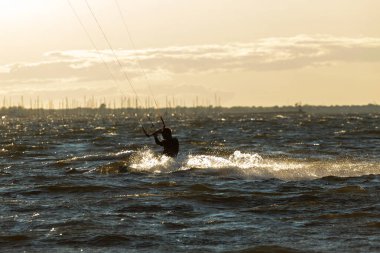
(192, 52)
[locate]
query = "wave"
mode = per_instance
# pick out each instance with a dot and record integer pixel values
(96, 157)
(13, 240)
(267, 249)
(247, 165)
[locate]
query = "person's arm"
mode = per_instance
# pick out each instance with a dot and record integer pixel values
(158, 142)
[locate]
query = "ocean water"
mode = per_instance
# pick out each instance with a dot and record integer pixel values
(93, 182)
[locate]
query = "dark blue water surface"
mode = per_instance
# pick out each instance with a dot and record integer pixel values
(93, 182)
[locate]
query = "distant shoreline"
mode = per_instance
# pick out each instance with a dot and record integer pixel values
(301, 110)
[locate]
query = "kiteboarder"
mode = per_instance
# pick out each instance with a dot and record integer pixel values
(170, 143)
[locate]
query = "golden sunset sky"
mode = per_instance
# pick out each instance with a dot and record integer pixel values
(247, 52)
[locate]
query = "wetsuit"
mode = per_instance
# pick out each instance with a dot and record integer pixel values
(171, 146)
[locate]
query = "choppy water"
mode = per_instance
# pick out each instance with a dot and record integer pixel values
(242, 183)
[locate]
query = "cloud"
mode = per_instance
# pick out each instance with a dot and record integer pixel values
(71, 92)
(269, 54)
(188, 90)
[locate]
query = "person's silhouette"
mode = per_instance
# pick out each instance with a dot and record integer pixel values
(170, 143)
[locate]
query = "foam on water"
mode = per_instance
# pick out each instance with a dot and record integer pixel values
(251, 166)
(236, 160)
(147, 161)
